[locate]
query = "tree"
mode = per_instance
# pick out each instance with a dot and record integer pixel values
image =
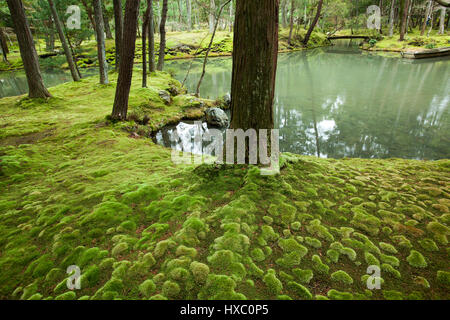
(291, 21)
(313, 24)
(106, 22)
(62, 38)
(144, 44)
(118, 24)
(36, 88)
(101, 50)
(128, 46)
(442, 21)
(151, 39)
(212, 15)
(255, 52)
(427, 16)
(391, 18)
(189, 14)
(404, 20)
(162, 33)
(4, 45)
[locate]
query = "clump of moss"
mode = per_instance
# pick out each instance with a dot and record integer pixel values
(300, 290)
(342, 276)
(147, 287)
(416, 259)
(304, 276)
(388, 247)
(392, 295)
(170, 289)
(272, 282)
(200, 271)
(319, 266)
(443, 277)
(339, 295)
(428, 245)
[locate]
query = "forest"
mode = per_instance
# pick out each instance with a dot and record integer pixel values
(224, 150)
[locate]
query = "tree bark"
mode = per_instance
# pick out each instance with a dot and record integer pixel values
(151, 39)
(391, 19)
(255, 54)
(162, 32)
(427, 15)
(404, 20)
(90, 14)
(118, 25)
(443, 3)
(144, 44)
(442, 21)
(36, 88)
(212, 10)
(62, 38)
(189, 14)
(120, 108)
(101, 50)
(106, 22)
(4, 45)
(291, 22)
(313, 24)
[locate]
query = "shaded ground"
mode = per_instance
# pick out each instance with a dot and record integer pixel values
(92, 194)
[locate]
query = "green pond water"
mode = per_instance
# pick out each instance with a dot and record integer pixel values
(342, 102)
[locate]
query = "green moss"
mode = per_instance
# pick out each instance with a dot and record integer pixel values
(339, 295)
(319, 266)
(443, 277)
(272, 282)
(392, 295)
(300, 290)
(257, 254)
(341, 276)
(313, 242)
(303, 276)
(416, 259)
(120, 249)
(388, 247)
(390, 269)
(67, 296)
(147, 287)
(170, 289)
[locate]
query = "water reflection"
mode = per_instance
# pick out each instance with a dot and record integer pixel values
(339, 102)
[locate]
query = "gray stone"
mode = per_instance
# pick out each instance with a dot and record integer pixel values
(216, 117)
(165, 96)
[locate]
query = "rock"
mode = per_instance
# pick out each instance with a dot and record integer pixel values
(227, 100)
(216, 117)
(165, 96)
(174, 90)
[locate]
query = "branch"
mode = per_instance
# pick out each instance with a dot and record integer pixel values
(443, 3)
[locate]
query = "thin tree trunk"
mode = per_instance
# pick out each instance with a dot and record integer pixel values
(151, 38)
(212, 10)
(427, 15)
(118, 25)
(291, 22)
(313, 24)
(62, 38)
(255, 53)
(36, 88)
(162, 32)
(106, 22)
(442, 21)
(189, 14)
(197, 92)
(391, 19)
(120, 108)
(90, 14)
(144, 44)
(404, 19)
(4, 45)
(101, 50)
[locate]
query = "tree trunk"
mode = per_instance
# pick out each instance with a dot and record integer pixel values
(36, 88)
(120, 108)
(255, 53)
(144, 44)
(391, 19)
(151, 38)
(90, 14)
(101, 50)
(313, 24)
(442, 21)
(404, 20)
(118, 25)
(162, 32)
(212, 10)
(189, 14)
(291, 22)
(4, 45)
(62, 38)
(284, 13)
(427, 15)
(106, 22)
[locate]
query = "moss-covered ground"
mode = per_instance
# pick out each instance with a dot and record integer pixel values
(78, 190)
(180, 45)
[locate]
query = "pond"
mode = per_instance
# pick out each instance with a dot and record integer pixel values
(342, 102)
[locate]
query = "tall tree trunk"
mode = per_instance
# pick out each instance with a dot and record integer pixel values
(442, 21)
(313, 24)
(90, 14)
(101, 50)
(404, 20)
(255, 53)
(427, 15)
(291, 22)
(62, 38)
(4, 44)
(162, 32)
(391, 19)
(189, 14)
(212, 15)
(120, 108)
(36, 88)
(151, 38)
(231, 17)
(106, 22)
(284, 13)
(144, 44)
(118, 25)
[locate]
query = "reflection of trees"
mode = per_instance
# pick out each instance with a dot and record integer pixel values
(380, 107)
